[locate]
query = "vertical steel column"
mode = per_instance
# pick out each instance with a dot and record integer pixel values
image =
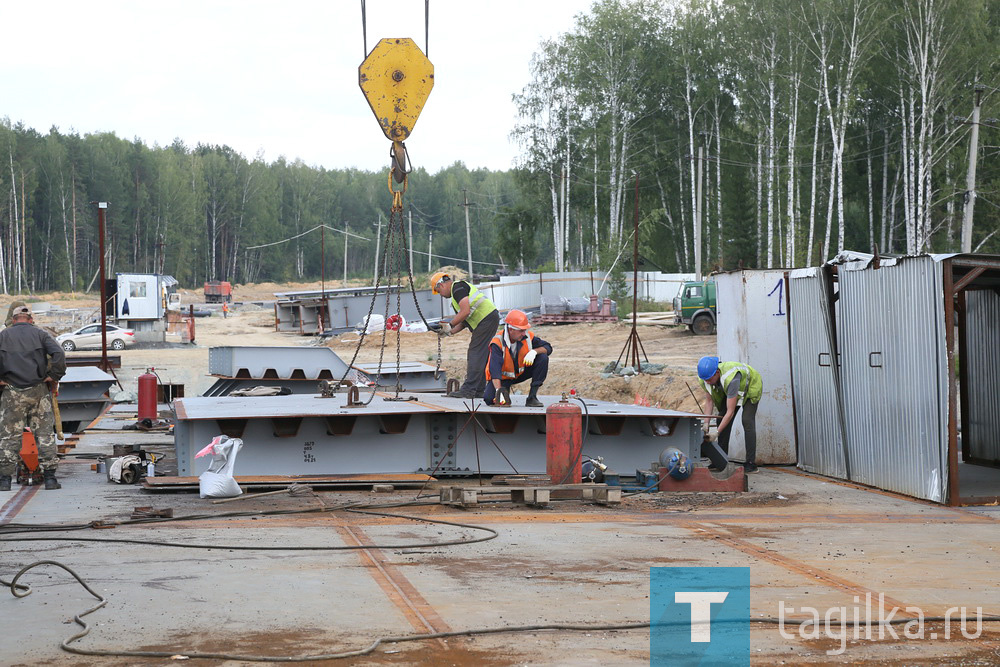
(954, 490)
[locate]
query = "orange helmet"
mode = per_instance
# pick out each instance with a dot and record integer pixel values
(436, 280)
(517, 319)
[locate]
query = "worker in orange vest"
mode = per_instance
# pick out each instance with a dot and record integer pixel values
(516, 355)
(225, 310)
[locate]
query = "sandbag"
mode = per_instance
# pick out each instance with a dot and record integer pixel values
(217, 481)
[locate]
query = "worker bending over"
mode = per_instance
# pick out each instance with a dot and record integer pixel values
(730, 385)
(516, 355)
(31, 363)
(474, 311)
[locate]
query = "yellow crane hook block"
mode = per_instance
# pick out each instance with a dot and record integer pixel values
(396, 79)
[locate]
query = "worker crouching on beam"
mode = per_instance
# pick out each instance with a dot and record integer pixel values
(516, 355)
(729, 386)
(475, 312)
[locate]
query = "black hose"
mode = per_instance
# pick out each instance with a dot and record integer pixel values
(13, 529)
(20, 591)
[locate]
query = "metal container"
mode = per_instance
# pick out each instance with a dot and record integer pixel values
(982, 369)
(753, 329)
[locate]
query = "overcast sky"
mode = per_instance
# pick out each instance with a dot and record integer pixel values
(280, 78)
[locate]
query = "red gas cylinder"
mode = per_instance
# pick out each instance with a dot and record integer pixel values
(147, 396)
(563, 442)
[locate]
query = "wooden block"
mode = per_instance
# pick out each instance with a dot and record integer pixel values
(539, 497)
(608, 495)
(470, 498)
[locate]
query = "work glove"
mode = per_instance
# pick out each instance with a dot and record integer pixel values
(446, 328)
(434, 326)
(530, 357)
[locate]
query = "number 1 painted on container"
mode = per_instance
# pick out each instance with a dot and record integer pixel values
(780, 289)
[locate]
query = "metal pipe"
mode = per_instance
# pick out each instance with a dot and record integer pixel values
(101, 207)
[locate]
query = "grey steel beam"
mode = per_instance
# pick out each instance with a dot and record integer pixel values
(302, 363)
(83, 383)
(312, 435)
(411, 375)
(77, 413)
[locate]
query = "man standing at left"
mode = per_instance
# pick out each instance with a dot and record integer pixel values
(31, 364)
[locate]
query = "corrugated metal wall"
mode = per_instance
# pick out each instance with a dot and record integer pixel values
(894, 375)
(818, 410)
(982, 338)
(762, 342)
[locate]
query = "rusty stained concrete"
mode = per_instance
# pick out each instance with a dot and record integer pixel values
(808, 541)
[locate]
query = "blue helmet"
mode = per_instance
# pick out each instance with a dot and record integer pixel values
(707, 367)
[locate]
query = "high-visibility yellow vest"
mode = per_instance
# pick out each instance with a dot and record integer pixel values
(751, 383)
(480, 305)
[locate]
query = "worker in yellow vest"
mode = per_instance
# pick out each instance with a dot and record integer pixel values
(729, 387)
(475, 312)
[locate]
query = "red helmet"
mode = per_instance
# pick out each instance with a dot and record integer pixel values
(517, 319)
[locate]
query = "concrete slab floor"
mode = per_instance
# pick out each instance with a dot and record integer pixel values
(808, 541)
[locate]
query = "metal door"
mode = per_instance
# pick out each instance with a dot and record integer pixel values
(815, 375)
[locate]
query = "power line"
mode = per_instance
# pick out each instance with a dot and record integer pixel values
(292, 238)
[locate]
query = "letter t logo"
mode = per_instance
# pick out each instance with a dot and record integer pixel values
(701, 611)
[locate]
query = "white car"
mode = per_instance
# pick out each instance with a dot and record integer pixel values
(90, 336)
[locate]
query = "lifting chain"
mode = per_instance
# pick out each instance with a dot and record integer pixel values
(394, 257)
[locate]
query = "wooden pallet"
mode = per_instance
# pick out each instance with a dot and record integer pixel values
(536, 496)
(260, 482)
(69, 443)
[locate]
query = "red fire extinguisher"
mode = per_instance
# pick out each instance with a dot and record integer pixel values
(563, 442)
(147, 396)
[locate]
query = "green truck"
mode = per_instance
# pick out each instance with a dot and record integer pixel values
(694, 306)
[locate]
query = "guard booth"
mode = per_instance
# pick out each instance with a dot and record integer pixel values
(894, 365)
(140, 302)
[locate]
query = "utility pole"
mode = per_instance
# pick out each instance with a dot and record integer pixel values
(378, 240)
(345, 255)
(101, 207)
(411, 241)
(970, 178)
(697, 217)
(468, 233)
(430, 249)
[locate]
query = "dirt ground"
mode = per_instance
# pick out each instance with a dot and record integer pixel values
(580, 351)
(579, 354)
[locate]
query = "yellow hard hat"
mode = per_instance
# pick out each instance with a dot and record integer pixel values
(436, 279)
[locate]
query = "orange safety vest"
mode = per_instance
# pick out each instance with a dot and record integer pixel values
(509, 371)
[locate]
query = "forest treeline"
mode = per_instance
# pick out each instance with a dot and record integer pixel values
(820, 125)
(208, 213)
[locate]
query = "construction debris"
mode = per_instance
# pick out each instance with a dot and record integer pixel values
(619, 369)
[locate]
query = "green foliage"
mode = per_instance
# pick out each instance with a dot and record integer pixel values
(209, 212)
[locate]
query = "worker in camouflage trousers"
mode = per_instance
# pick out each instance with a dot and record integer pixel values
(31, 365)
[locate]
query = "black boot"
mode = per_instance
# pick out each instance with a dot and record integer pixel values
(532, 400)
(4, 482)
(50, 480)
